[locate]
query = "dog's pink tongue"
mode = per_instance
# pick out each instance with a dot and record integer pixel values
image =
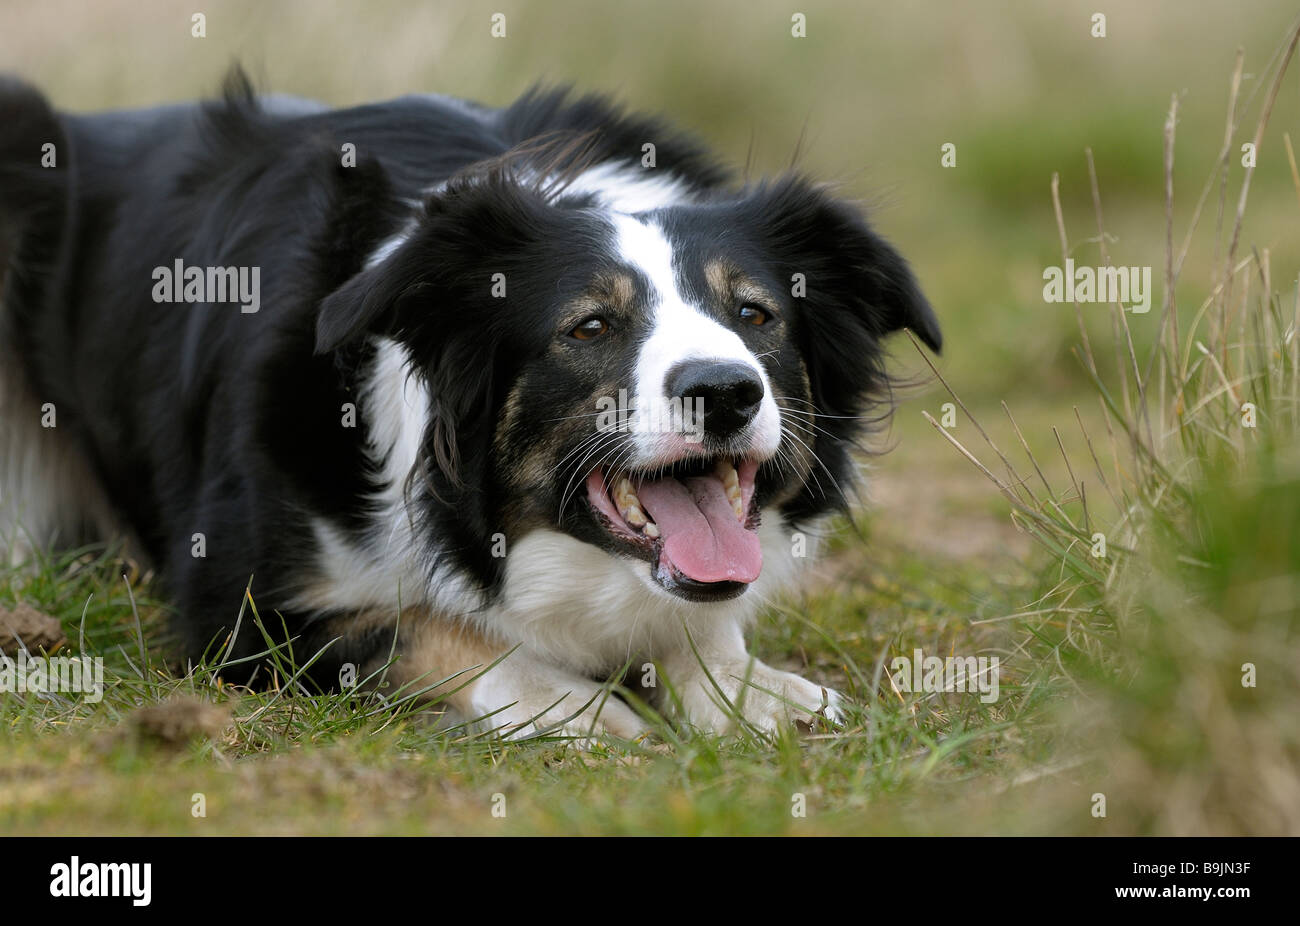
(703, 538)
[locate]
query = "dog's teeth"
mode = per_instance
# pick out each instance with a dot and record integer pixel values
(624, 494)
(629, 506)
(731, 485)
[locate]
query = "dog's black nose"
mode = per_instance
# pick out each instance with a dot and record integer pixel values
(730, 392)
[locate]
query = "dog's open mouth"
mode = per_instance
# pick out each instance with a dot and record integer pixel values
(695, 522)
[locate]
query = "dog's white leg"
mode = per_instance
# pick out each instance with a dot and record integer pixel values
(768, 698)
(520, 696)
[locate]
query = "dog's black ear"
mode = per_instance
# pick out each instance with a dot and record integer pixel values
(476, 219)
(845, 264)
(368, 302)
(850, 288)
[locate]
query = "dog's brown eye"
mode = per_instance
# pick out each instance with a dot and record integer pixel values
(593, 327)
(754, 314)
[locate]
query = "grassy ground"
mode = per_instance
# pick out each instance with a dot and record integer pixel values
(1120, 678)
(337, 764)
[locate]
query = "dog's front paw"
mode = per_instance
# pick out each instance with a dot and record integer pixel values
(521, 705)
(767, 698)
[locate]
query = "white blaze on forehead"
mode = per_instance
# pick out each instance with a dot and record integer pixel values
(618, 186)
(679, 332)
(629, 189)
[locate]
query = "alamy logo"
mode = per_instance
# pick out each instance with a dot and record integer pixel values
(1129, 286)
(179, 283)
(76, 878)
(679, 415)
(83, 675)
(930, 674)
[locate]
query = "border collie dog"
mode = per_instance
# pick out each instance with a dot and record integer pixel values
(520, 396)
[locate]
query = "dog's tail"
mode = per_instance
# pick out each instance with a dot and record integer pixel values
(34, 192)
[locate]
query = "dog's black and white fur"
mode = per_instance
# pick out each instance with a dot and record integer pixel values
(410, 421)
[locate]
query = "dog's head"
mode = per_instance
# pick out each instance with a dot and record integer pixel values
(651, 383)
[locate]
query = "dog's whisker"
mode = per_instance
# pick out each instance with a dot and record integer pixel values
(578, 448)
(809, 429)
(806, 422)
(790, 398)
(582, 469)
(817, 460)
(575, 417)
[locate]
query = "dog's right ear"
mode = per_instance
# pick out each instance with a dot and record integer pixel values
(473, 219)
(371, 300)
(351, 309)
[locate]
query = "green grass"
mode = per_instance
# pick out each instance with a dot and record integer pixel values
(292, 762)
